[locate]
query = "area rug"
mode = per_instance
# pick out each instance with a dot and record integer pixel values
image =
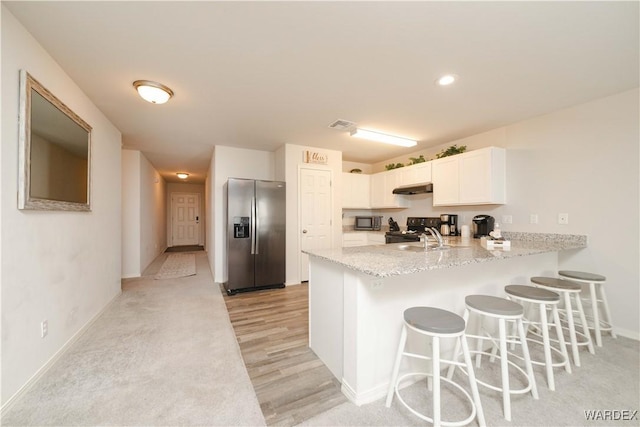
(191, 248)
(177, 265)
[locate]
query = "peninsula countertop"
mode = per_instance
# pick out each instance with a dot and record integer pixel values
(389, 260)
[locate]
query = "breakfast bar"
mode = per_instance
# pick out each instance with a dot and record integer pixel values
(357, 295)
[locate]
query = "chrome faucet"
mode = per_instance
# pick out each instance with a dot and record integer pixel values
(436, 235)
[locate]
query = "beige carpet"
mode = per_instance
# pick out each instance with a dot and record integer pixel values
(177, 265)
(163, 354)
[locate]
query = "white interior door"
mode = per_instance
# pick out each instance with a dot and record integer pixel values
(185, 219)
(315, 214)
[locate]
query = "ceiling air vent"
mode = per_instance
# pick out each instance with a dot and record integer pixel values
(342, 125)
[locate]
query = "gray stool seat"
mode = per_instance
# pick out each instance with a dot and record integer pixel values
(553, 282)
(581, 275)
(494, 305)
(435, 320)
(531, 292)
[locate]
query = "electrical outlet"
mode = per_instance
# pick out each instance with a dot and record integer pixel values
(507, 219)
(563, 218)
(533, 219)
(44, 328)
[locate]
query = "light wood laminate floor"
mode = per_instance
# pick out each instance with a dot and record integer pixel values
(272, 328)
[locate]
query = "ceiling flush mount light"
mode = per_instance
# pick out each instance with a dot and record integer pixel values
(182, 175)
(153, 92)
(447, 80)
(381, 137)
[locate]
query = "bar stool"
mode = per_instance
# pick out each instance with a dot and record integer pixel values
(595, 282)
(543, 298)
(435, 323)
(568, 288)
(503, 310)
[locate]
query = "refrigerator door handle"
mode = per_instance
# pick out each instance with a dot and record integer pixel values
(256, 221)
(253, 226)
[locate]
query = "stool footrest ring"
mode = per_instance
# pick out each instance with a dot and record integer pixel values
(426, 418)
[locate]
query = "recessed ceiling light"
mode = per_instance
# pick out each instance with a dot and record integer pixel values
(182, 175)
(447, 79)
(382, 137)
(153, 92)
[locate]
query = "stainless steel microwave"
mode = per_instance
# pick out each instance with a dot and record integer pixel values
(368, 223)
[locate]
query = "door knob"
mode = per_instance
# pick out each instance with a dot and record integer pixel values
(304, 231)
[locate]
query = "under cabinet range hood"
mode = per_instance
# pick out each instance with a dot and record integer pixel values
(414, 189)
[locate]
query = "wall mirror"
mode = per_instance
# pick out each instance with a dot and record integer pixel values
(54, 154)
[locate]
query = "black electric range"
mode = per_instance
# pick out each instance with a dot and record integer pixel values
(415, 228)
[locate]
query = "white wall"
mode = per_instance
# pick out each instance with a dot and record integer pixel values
(153, 214)
(582, 161)
(131, 213)
(144, 219)
(229, 162)
(290, 157)
(210, 203)
(60, 266)
(173, 187)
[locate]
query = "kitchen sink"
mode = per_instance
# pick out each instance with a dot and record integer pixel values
(421, 248)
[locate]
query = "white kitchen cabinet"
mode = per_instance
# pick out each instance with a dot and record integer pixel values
(446, 181)
(382, 185)
(415, 174)
(357, 238)
(375, 239)
(362, 238)
(473, 178)
(356, 191)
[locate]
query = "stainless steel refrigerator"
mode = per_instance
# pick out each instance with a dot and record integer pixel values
(255, 234)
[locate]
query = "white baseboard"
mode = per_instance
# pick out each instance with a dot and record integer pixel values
(627, 333)
(44, 368)
(376, 393)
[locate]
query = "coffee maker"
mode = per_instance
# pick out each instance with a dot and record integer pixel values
(444, 224)
(482, 225)
(449, 225)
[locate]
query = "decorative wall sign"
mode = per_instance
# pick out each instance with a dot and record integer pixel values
(315, 157)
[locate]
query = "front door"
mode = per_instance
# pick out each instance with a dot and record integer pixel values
(315, 214)
(185, 219)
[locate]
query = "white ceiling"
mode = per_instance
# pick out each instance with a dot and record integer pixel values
(261, 74)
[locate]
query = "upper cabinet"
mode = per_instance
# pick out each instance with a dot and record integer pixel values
(382, 185)
(419, 173)
(473, 178)
(356, 191)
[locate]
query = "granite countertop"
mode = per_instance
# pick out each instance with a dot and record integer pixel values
(389, 260)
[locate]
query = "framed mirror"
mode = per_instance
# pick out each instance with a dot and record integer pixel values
(54, 153)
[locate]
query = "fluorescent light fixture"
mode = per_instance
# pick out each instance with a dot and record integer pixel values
(153, 92)
(381, 137)
(182, 175)
(447, 79)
